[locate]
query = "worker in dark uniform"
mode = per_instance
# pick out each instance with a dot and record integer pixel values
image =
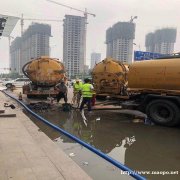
(62, 88)
(87, 92)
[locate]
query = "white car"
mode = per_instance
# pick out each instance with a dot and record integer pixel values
(19, 82)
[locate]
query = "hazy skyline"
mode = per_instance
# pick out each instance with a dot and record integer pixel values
(152, 15)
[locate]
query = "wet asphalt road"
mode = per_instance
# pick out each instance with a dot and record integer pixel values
(140, 147)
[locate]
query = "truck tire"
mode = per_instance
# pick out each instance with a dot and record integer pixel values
(163, 112)
(9, 85)
(29, 96)
(100, 97)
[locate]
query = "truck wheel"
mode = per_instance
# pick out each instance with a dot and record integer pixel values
(163, 112)
(100, 97)
(29, 96)
(9, 85)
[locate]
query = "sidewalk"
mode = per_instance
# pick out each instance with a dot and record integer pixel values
(28, 154)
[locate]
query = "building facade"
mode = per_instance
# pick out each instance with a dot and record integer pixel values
(33, 44)
(119, 40)
(15, 52)
(161, 41)
(74, 45)
(95, 58)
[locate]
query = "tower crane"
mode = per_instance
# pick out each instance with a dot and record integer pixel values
(85, 12)
(85, 16)
(31, 19)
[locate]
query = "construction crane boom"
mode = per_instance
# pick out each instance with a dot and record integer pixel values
(85, 12)
(43, 19)
(31, 19)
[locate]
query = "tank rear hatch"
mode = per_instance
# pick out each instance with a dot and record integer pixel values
(109, 76)
(44, 71)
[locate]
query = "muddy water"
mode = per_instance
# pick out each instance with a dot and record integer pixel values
(148, 149)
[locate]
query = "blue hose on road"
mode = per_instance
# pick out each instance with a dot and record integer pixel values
(98, 152)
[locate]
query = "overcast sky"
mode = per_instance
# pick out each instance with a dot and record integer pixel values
(152, 15)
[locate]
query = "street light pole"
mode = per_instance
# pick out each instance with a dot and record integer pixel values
(50, 49)
(9, 38)
(138, 45)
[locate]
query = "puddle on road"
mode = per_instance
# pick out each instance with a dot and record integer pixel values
(140, 147)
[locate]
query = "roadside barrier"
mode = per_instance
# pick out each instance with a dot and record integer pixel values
(98, 152)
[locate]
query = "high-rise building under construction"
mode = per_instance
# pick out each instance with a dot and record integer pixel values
(74, 45)
(119, 40)
(161, 41)
(33, 44)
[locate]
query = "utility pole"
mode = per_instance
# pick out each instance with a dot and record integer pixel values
(22, 24)
(9, 39)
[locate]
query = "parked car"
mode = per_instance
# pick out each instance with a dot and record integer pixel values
(5, 80)
(19, 82)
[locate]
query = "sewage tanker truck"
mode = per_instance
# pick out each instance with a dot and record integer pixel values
(44, 73)
(151, 86)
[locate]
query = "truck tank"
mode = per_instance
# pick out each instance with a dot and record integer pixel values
(109, 76)
(162, 74)
(44, 71)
